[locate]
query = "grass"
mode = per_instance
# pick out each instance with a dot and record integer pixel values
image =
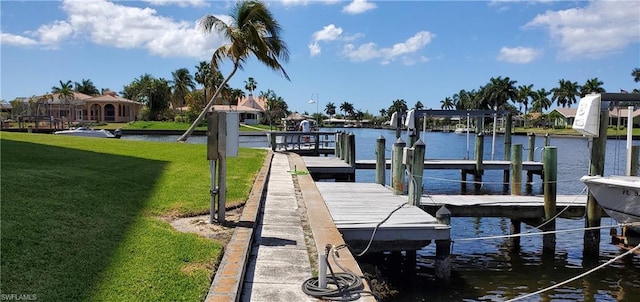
(84, 218)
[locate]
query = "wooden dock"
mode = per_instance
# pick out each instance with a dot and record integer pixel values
(357, 208)
(517, 207)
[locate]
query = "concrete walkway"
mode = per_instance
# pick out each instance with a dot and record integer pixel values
(279, 261)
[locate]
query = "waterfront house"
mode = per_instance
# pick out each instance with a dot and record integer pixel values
(564, 117)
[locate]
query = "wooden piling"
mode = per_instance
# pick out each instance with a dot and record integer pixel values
(515, 226)
(550, 161)
(516, 170)
(635, 151)
(381, 165)
(397, 167)
(547, 139)
(594, 211)
(417, 170)
(443, 261)
(338, 147)
(351, 147)
(479, 154)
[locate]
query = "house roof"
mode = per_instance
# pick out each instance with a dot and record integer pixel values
(234, 108)
(253, 102)
(110, 98)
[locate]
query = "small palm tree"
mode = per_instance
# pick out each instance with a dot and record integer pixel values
(347, 108)
(330, 109)
(250, 85)
(182, 85)
(252, 31)
(65, 95)
(447, 104)
(541, 100)
(86, 87)
(635, 73)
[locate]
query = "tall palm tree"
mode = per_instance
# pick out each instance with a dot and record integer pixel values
(566, 93)
(447, 104)
(182, 84)
(250, 85)
(251, 31)
(498, 92)
(525, 92)
(418, 106)
(347, 108)
(86, 87)
(399, 106)
(592, 86)
(204, 77)
(635, 73)
(330, 109)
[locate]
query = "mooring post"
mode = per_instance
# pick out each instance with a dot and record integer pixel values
(272, 140)
(417, 169)
(338, 147)
(443, 261)
(345, 146)
(351, 155)
(516, 169)
(479, 154)
(397, 167)
(635, 151)
(507, 152)
(381, 164)
(594, 211)
(550, 164)
(547, 139)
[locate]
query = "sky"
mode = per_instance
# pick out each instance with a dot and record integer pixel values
(367, 53)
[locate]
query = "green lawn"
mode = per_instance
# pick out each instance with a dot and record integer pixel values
(82, 218)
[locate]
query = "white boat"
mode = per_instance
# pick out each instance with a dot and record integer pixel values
(618, 195)
(88, 132)
(462, 129)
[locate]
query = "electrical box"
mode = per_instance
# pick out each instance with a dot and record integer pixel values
(587, 120)
(407, 156)
(223, 135)
(228, 140)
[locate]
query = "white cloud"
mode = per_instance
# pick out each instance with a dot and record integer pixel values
(180, 3)
(327, 33)
(10, 39)
(358, 7)
(598, 29)
(314, 49)
(115, 25)
(520, 55)
(402, 51)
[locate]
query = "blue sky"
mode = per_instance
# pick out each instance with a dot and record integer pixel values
(367, 53)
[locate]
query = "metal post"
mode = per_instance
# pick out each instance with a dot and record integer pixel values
(479, 154)
(507, 152)
(381, 165)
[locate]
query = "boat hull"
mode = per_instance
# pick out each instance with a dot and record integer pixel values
(619, 196)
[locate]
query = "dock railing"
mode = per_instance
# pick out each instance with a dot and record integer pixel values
(316, 142)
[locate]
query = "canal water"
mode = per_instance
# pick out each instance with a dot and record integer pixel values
(494, 270)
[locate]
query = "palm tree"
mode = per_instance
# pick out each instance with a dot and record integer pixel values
(418, 106)
(251, 31)
(399, 106)
(65, 95)
(330, 109)
(182, 84)
(541, 100)
(635, 73)
(235, 95)
(447, 104)
(250, 85)
(86, 87)
(498, 91)
(565, 94)
(204, 77)
(524, 93)
(347, 108)
(592, 86)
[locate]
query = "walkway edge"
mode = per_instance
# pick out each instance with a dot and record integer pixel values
(321, 223)
(229, 277)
